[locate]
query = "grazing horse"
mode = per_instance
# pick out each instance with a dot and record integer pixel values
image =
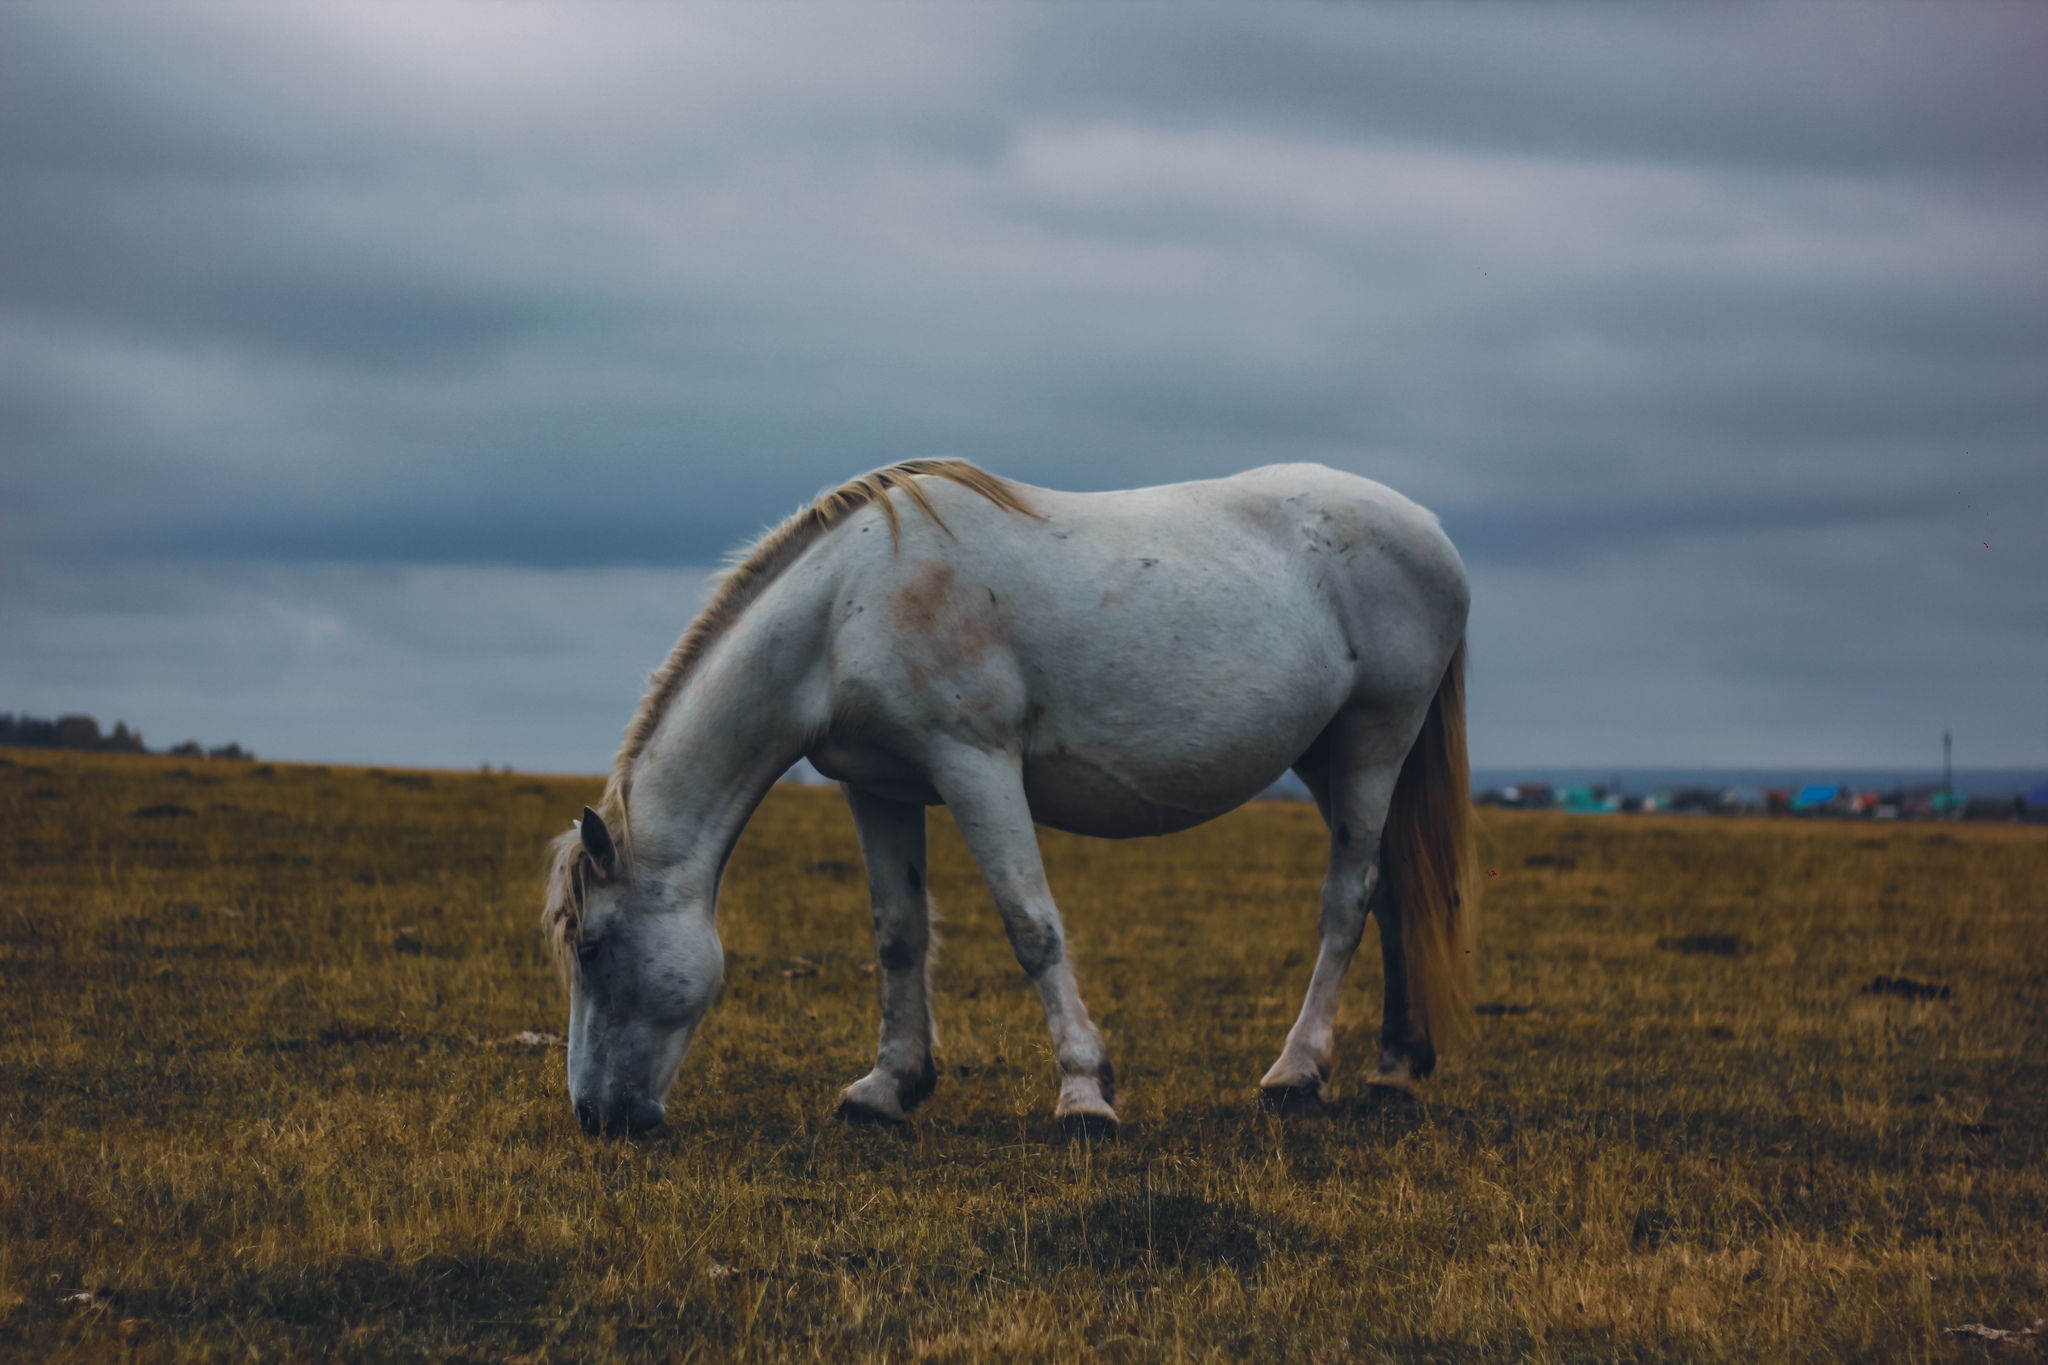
(1113, 664)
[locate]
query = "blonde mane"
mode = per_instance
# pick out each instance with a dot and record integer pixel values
(747, 577)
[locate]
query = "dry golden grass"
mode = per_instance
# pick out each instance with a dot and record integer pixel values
(247, 1111)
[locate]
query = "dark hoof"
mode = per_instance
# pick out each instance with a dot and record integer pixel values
(1291, 1099)
(911, 1094)
(1088, 1128)
(866, 1116)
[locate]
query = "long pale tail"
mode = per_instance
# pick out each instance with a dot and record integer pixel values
(1427, 861)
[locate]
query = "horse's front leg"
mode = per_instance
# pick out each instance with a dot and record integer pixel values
(985, 793)
(892, 844)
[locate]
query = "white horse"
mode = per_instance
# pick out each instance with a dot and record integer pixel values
(1113, 664)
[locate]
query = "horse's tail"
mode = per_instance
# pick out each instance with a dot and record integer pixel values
(1427, 861)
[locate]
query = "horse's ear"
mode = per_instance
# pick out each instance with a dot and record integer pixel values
(597, 842)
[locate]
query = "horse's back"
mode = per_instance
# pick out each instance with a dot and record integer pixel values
(1299, 564)
(1156, 656)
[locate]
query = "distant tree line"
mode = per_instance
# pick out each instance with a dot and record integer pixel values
(83, 732)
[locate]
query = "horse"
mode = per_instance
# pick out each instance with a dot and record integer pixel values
(1112, 664)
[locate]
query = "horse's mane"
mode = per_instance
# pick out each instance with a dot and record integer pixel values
(745, 578)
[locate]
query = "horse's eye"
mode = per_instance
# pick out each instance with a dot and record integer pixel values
(587, 950)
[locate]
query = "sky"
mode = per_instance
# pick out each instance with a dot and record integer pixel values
(380, 383)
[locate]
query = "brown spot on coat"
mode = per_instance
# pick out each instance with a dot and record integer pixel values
(918, 606)
(942, 628)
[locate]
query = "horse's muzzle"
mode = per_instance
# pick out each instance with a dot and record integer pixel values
(628, 1115)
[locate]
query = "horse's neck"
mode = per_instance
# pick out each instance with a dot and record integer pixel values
(738, 723)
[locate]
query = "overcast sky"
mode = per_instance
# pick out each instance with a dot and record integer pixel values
(380, 380)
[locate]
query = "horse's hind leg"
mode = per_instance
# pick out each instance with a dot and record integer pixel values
(1405, 1056)
(1353, 790)
(892, 844)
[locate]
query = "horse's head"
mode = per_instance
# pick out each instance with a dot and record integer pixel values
(642, 968)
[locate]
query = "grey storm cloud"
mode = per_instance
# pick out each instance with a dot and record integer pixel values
(536, 288)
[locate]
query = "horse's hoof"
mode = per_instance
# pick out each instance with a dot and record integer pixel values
(911, 1094)
(1291, 1099)
(867, 1116)
(1088, 1128)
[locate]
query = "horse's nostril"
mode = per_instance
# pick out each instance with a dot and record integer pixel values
(586, 1113)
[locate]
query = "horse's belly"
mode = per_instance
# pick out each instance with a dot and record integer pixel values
(1067, 791)
(1071, 794)
(1156, 736)
(1155, 781)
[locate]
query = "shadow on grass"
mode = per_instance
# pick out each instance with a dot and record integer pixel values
(1132, 1228)
(512, 1301)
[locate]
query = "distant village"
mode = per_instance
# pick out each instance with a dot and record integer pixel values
(1927, 801)
(83, 732)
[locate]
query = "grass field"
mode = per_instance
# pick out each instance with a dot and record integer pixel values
(256, 1105)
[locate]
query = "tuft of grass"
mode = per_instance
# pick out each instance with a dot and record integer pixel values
(267, 1092)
